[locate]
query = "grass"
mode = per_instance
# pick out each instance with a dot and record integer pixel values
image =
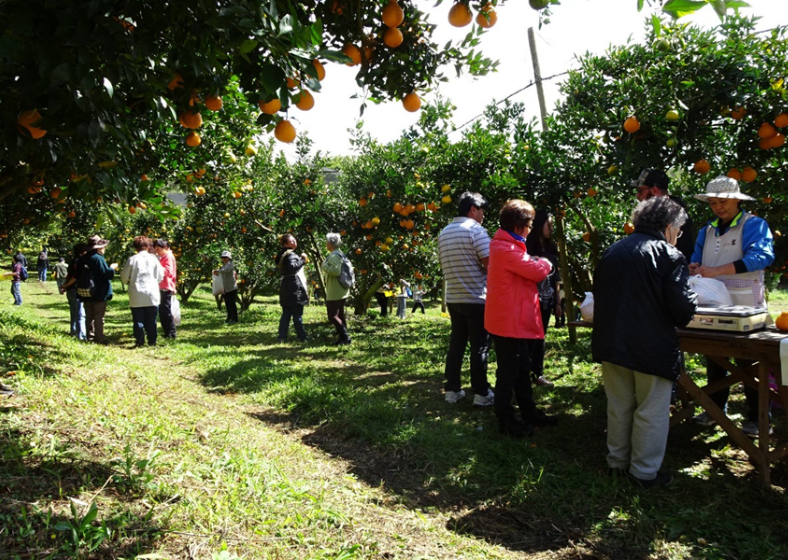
(226, 443)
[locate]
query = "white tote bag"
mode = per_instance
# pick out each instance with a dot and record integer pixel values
(175, 307)
(218, 286)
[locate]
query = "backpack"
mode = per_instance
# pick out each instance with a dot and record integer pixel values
(86, 287)
(23, 274)
(347, 278)
(409, 292)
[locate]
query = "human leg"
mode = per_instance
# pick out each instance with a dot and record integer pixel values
(42, 275)
(619, 385)
(458, 339)
(165, 314)
(298, 321)
(90, 323)
(284, 322)
(715, 372)
(479, 340)
(150, 316)
(511, 380)
(650, 425)
(73, 310)
(336, 316)
(16, 291)
(230, 301)
(138, 325)
(401, 307)
(99, 310)
(383, 302)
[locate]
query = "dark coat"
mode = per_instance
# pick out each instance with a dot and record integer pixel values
(641, 295)
(102, 275)
(291, 290)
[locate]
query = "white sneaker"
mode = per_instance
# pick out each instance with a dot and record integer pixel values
(453, 396)
(484, 400)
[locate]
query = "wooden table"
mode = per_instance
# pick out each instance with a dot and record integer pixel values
(761, 347)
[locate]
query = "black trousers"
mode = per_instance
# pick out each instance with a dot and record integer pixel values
(383, 302)
(513, 378)
(165, 314)
(335, 310)
(230, 300)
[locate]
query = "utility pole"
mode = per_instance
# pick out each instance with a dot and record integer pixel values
(559, 218)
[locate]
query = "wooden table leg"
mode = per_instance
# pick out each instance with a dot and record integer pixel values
(763, 418)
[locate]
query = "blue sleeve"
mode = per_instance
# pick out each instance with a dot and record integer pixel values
(697, 254)
(758, 244)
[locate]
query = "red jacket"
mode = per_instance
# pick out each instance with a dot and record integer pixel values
(170, 272)
(512, 307)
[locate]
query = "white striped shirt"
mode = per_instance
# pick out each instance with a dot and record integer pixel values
(461, 247)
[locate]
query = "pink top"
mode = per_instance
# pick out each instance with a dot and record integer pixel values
(512, 308)
(167, 260)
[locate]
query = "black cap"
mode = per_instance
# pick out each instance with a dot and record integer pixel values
(652, 178)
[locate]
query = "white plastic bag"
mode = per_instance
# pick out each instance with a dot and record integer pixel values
(218, 286)
(175, 307)
(711, 292)
(587, 308)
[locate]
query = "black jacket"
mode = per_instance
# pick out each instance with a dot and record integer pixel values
(291, 290)
(641, 294)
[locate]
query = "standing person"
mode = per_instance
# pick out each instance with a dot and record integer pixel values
(69, 287)
(734, 248)
(227, 270)
(102, 275)
(16, 280)
(402, 298)
(540, 244)
(381, 296)
(167, 286)
(513, 317)
(336, 294)
(61, 272)
(641, 295)
(654, 182)
(464, 251)
(142, 273)
(293, 293)
(42, 265)
(22, 259)
(418, 303)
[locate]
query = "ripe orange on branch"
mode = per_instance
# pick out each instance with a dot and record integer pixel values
(351, 51)
(306, 101)
(26, 119)
(632, 125)
(321, 71)
(702, 166)
(393, 37)
(285, 131)
(393, 15)
(411, 102)
(193, 139)
(190, 120)
(766, 131)
(487, 17)
(213, 103)
(270, 107)
(734, 174)
(748, 174)
(460, 15)
(781, 120)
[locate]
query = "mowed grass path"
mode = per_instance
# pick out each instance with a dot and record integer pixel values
(225, 443)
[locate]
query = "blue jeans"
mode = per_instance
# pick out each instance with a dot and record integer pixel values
(467, 325)
(296, 312)
(16, 291)
(77, 315)
(42, 275)
(144, 319)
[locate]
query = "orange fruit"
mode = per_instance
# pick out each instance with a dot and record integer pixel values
(781, 120)
(358, 251)
(362, 201)
(393, 15)
(292, 82)
(320, 69)
(766, 130)
(775, 141)
(411, 102)
(767, 199)
(702, 166)
(734, 174)
(632, 125)
(748, 174)
(351, 51)
(420, 207)
(285, 131)
(132, 210)
(305, 101)
(782, 321)
(738, 113)
(213, 103)
(190, 120)
(193, 139)
(72, 214)
(460, 15)
(270, 107)
(629, 228)
(25, 120)
(55, 193)
(586, 237)
(487, 17)
(764, 143)
(591, 191)
(176, 82)
(393, 37)
(446, 199)
(397, 207)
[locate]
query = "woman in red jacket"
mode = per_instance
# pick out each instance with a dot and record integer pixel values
(513, 317)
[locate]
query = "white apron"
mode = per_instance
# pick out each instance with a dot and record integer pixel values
(746, 288)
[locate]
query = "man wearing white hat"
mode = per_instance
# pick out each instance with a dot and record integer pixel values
(734, 248)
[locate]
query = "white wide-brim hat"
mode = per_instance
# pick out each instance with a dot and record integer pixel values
(723, 187)
(226, 254)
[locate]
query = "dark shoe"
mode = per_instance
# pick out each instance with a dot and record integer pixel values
(543, 382)
(343, 342)
(616, 473)
(539, 418)
(515, 429)
(281, 340)
(663, 478)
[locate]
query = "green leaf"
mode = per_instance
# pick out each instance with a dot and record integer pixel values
(681, 8)
(656, 25)
(247, 46)
(720, 7)
(640, 5)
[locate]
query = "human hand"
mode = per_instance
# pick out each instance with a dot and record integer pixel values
(693, 267)
(114, 266)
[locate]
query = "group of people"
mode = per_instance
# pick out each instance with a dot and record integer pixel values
(503, 291)
(401, 291)
(150, 276)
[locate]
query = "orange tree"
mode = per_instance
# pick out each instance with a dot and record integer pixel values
(697, 96)
(85, 87)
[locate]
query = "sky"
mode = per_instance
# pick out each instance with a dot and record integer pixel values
(576, 27)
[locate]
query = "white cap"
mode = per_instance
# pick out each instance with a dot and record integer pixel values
(227, 254)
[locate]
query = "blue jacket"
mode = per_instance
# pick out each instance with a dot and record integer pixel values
(102, 275)
(757, 240)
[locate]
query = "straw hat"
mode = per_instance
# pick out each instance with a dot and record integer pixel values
(723, 187)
